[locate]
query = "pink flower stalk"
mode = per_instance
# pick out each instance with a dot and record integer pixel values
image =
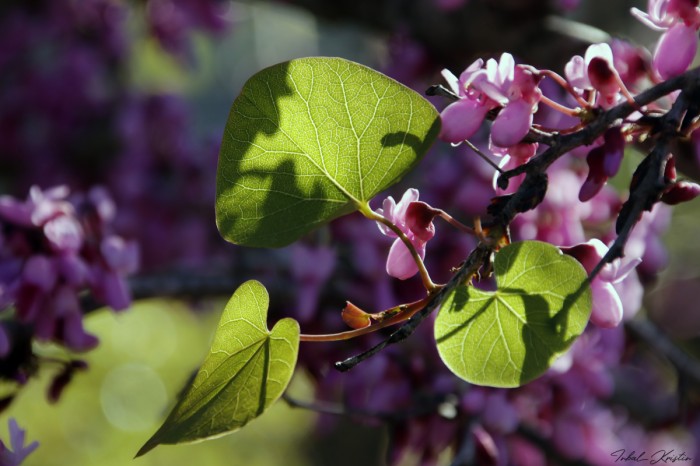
(680, 21)
(482, 88)
(414, 219)
(596, 71)
(607, 306)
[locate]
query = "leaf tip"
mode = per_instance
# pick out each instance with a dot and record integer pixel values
(148, 446)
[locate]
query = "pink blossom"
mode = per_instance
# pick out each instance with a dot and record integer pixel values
(607, 309)
(680, 21)
(675, 50)
(596, 71)
(662, 14)
(462, 119)
(413, 222)
(483, 88)
(631, 62)
(512, 124)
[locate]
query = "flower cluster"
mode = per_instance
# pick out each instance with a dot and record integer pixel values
(54, 248)
(484, 87)
(67, 117)
(680, 21)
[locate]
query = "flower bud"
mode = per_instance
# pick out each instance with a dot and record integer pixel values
(614, 147)
(588, 254)
(355, 317)
(596, 175)
(681, 191)
(670, 170)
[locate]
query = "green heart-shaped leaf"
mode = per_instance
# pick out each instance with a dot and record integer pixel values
(247, 369)
(310, 140)
(510, 336)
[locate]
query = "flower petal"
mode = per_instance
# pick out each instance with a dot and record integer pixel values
(607, 306)
(400, 263)
(461, 120)
(512, 124)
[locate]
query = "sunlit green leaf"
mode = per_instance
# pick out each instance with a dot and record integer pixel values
(508, 337)
(310, 140)
(247, 369)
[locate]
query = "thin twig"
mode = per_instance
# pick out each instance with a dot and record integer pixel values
(483, 156)
(650, 334)
(424, 407)
(563, 143)
(465, 272)
(648, 181)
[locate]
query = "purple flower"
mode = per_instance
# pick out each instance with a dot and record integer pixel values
(413, 223)
(17, 452)
(56, 248)
(603, 162)
(631, 62)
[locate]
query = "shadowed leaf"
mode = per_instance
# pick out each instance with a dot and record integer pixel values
(313, 139)
(508, 337)
(247, 369)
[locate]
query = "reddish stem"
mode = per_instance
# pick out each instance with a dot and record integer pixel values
(405, 314)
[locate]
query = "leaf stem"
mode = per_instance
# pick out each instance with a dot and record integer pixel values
(465, 273)
(406, 311)
(424, 275)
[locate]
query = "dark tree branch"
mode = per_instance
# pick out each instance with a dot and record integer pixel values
(560, 144)
(532, 191)
(465, 272)
(173, 285)
(424, 407)
(652, 336)
(648, 182)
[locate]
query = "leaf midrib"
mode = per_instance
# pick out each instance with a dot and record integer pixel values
(306, 155)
